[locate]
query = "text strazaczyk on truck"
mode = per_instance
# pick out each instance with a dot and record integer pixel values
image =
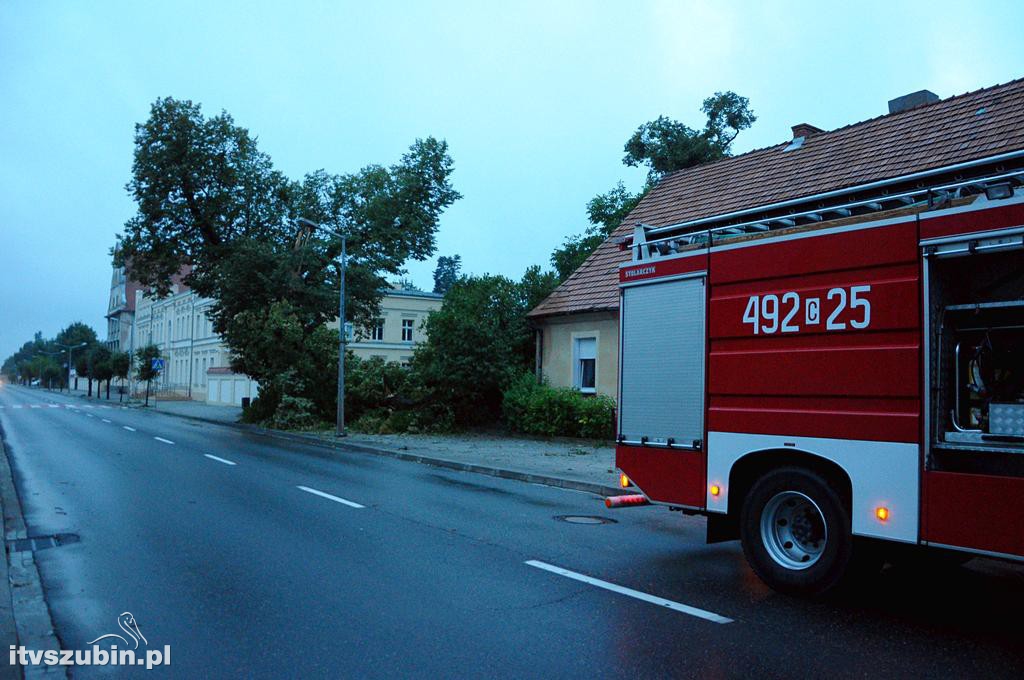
(834, 377)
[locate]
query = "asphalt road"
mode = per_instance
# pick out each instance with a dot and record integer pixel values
(426, 572)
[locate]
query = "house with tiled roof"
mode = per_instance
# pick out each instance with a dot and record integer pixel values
(923, 141)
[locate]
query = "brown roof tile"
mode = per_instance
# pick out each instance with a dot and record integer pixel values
(949, 131)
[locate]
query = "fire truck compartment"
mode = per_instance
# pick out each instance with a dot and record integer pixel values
(662, 359)
(977, 363)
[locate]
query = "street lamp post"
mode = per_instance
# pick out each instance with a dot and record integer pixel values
(339, 427)
(49, 354)
(70, 349)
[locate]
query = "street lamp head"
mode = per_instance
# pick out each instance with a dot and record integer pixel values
(313, 225)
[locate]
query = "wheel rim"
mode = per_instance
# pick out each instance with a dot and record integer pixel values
(793, 530)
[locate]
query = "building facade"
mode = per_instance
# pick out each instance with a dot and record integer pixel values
(120, 311)
(398, 327)
(197, 362)
(196, 359)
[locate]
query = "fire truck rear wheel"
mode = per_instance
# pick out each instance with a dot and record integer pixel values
(795, 531)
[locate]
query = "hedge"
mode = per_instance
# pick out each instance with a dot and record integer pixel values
(537, 408)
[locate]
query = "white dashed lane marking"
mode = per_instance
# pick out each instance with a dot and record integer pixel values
(130, 429)
(668, 604)
(220, 460)
(165, 441)
(330, 497)
(104, 420)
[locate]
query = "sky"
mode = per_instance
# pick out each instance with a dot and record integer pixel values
(535, 99)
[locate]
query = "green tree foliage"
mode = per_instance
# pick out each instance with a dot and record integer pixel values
(144, 366)
(573, 252)
(17, 367)
(121, 366)
(383, 397)
(51, 373)
(47, 359)
(662, 146)
(73, 335)
(607, 211)
(83, 365)
(100, 368)
(475, 346)
(536, 285)
(77, 333)
(446, 272)
(208, 197)
(477, 343)
(294, 362)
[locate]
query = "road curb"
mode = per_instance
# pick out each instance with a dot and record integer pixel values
(32, 620)
(504, 473)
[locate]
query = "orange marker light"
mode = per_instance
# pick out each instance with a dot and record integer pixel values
(882, 513)
(623, 480)
(716, 490)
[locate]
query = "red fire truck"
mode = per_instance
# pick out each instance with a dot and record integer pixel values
(834, 372)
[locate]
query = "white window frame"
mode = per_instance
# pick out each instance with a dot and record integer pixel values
(377, 330)
(578, 341)
(408, 325)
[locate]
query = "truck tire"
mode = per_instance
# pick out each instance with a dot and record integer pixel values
(795, 531)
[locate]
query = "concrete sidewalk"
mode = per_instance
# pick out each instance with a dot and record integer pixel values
(568, 463)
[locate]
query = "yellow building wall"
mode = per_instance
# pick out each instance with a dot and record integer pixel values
(559, 338)
(394, 308)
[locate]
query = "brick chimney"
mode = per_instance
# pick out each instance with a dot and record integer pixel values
(805, 130)
(912, 100)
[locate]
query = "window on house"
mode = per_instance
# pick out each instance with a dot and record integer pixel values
(585, 364)
(377, 329)
(407, 330)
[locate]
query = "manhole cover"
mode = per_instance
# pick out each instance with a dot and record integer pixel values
(35, 543)
(584, 519)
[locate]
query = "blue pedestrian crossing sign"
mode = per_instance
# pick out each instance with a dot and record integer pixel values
(156, 364)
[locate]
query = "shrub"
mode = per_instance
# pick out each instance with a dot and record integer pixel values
(596, 417)
(259, 410)
(370, 422)
(549, 411)
(294, 413)
(477, 343)
(375, 384)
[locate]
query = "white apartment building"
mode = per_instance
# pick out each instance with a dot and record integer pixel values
(398, 327)
(196, 360)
